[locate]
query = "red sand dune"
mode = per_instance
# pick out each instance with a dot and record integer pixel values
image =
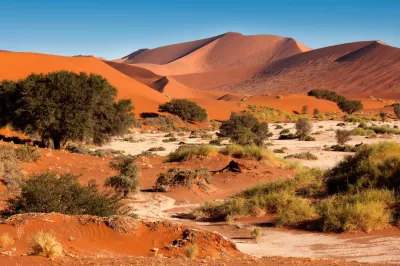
(19, 65)
(89, 236)
(361, 67)
(230, 50)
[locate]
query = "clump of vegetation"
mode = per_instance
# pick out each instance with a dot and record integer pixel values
(344, 104)
(186, 110)
(363, 211)
(303, 128)
(295, 212)
(384, 130)
(373, 166)
(46, 245)
(304, 110)
(342, 136)
(78, 107)
(216, 142)
(192, 251)
(245, 129)
(127, 180)
(157, 149)
(10, 170)
(284, 131)
(278, 127)
(28, 154)
(397, 110)
(316, 113)
(279, 97)
(175, 177)
(278, 151)
(303, 156)
(187, 152)
(383, 116)
(344, 148)
(247, 152)
(350, 107)
(172, 139)
(256, 234)
(358, 131)
(42, 193)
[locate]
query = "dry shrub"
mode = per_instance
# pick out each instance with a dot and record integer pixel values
(46, 245)
(28, 154)
(256, 234)
(6, 240)
(192, 251)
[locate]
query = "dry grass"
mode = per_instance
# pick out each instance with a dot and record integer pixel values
(192, 251)
(6, 240)
(256, 234)
(46, 245)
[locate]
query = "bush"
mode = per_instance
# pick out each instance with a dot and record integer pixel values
(246, 152)
(373, 166)
(186, 110)
(303, 128)
(307, 138)
(358, 131)
(157, 149)
(64, 106)
(397, 110)
(166, 121)
(42, 193)
(183, 177)
(192, 251)
(327, 95)
(304, 110)
(244, 129)
(256, 234)
(10, 169)
(316, 113)
(278, 127)
(278, 151)
(216, 142)
(383, 116)
(284, 132)
(383, 130)
(342, 136)
(28, 154)
(364, 211)
(46, 245)
(295, 212)
(170, 139)
(303, 156)
(187, 152)
(127, 181)
(345, 148)
(350, 107)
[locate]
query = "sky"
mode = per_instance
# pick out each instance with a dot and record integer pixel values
(114, 28)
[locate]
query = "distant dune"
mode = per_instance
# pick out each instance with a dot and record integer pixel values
(19, 65)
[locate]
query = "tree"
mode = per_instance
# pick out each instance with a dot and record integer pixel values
(127, 180)
(303, 128)
(63, 106)
(350, 107)
(244, 129)
(316, 113)
(342, 136)
(186, 110)
(397, 110)
(49, 192)
(304, 110)
(383, 116)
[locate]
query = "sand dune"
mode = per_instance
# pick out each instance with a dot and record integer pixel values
(362, 68)
(230, 50)
(19, 65)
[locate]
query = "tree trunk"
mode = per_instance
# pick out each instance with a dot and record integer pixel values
(57, 143)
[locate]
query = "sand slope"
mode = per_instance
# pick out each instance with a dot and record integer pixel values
(361, 67)
(230, 50)
(19, 65)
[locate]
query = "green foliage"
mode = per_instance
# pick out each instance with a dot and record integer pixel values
(373, 166)
(248, 152)
(362, 132)
(49, 192)
(383, 116)
(244, 129)
(187, 152)
(350, 107)
(186, 110)
(294, 212)
(342, 136)
(183, 177)
(316, 113)
(304, 110)
(327, 95)
(63, 106)
(397, 110)
(363, 211)
(157, 149)
(384, 130)
(127, 180)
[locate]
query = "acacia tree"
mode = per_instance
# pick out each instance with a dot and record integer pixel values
(63, 106)
(186, 110)
(245, 129)
(350, 107)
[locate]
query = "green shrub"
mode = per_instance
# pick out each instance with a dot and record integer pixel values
(342, 136)
(307, 138)
(28, 154)
(350, 107)
(170, 139)
(284, 132)
(364, 211)
(359, 131)
(373, 166)
(278, 127)
(165, 121)
(170, 135)
(278, 151)
(345, 148)
(303, 156)
(216, 142)
(247, 152)
(256, 234)
(304, 110)
(175, 177)
(397, 110)
(384, 130)
(49, 192)
(245, 129)
(186, 110)
(187, 152)
(127, 180)
(327, 95)
(295, 212)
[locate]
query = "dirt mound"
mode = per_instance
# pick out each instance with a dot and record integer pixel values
(362, 68)
(90, 236)
(19, 65)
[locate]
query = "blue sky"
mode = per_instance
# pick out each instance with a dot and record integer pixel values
(116, 28)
